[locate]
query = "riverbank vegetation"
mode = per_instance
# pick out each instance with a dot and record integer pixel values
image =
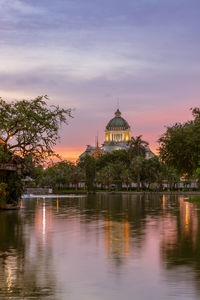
(180, 146)
(28, 131)
(193, 199)
(110, 173)
(178, 161)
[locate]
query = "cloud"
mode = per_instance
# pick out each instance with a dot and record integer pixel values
(87, 54)
(20, 7)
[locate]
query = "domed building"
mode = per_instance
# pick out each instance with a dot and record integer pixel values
(117, 129)
(117, 136)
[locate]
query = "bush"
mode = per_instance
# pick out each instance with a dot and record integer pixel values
(3, 193)
(14, 188)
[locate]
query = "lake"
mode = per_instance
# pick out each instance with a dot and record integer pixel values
(102, 246)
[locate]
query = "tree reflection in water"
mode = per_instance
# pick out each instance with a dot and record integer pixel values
(41, 245)
(21, 259)
(180, 246)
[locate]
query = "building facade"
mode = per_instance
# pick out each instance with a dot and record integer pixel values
(117, 137)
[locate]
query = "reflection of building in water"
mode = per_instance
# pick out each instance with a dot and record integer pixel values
(188, 220)
(117, 238)
(43, 221)
(25, 265)
(180, 246)
(9, 267)
(180, 231)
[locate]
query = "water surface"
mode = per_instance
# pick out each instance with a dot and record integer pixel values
(101, 247)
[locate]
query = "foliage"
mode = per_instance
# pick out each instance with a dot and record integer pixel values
(105, 176)
(30, 127)
(154, 186)
(193, 199)
(3, 193)
(14, 188)
(111, 173)
(137, 165)
(137, 147)
(126, 177)
(28, 132)
(115, 157)
(88, 164)
(151, 171)
(56, 176)
(4, 157)
(198, 175)
(137, 153)
(180, 146)
(37, 173)
(75, 176)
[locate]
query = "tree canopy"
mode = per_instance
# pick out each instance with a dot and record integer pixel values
(30, 127)
(180, 145)
(137, 147)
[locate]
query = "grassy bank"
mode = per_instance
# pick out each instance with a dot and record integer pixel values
(62, 192)
(193, 199)
(72, 191)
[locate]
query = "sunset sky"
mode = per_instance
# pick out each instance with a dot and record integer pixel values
(90, 54)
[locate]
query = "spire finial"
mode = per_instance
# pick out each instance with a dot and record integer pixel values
(97, 151)
(118, 113)
(97, 139)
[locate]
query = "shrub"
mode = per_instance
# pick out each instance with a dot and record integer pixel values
(3, 193)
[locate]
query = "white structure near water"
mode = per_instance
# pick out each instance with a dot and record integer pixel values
(117, 137)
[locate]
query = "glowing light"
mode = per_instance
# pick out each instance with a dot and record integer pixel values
(187, 217)
(127, 237)
(57, 206)
(164, 200)
(9, 280)
(107, 237)
(127, 137)
(43, 219)
(107, 137)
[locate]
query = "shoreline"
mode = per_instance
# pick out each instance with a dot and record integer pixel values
(63, 193)
(9, 207)
(153, 193)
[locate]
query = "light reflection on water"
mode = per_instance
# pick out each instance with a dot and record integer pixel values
(101, 247)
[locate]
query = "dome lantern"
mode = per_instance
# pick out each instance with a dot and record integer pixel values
(117, 129)
(118, 113)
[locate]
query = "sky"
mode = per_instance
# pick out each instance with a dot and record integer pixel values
(89, 55)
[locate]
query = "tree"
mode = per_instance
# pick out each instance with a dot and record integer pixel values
(137, 147)
(126, 177)
(89, 165)
(28, 131)
(151, 171)
(75, 176)
(100, 178)
(3, 193)
(198, 175)
(115, 157)
(180, 146)
(107, 175)
(57, 176)
(172, 176)
(137, 165)
(29, 128)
